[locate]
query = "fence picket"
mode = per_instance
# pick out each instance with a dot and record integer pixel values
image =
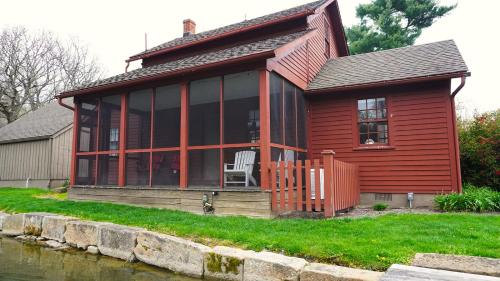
(291, 202)
(317, 187)
(308, 185)
(299, 185)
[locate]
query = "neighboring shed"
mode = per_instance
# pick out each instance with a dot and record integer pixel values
(35, 150)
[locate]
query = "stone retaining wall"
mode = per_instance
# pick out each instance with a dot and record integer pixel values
(173, 253)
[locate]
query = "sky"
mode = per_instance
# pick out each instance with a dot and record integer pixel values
(114, 30)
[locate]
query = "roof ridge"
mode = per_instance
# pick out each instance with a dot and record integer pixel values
(234, 26)
(396, 49)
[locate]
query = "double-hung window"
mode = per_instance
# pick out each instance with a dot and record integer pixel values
(372, 121)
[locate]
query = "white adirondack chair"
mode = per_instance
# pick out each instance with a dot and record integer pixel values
(242, 167)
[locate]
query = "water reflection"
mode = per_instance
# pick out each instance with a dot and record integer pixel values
(19, 261)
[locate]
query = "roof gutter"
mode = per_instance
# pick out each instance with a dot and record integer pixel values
(59, 100)
(222, 35)
(262, 55)
(387, 83)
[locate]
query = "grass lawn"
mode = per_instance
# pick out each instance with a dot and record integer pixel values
(372, 243)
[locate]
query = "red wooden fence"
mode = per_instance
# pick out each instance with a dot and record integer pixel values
(294, 188)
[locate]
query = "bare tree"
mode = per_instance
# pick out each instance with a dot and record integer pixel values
(34, 67)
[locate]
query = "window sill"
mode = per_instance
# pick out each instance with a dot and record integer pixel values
(374, 147)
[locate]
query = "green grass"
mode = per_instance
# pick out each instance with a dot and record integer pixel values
(372, 243)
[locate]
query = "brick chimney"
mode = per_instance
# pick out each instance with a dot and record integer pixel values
(189, 27)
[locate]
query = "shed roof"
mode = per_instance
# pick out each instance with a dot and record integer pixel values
(234, 52)
(420, 61)
(42, 123)
(306, 8)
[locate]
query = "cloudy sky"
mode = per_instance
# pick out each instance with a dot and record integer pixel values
(114, 30)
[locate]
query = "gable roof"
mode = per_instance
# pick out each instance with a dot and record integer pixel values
(261, 47)
(390, 66)
(42, 123)
(301, 10)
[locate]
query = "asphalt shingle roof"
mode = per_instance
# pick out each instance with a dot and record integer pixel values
(252, 48)
(437, 58)
(39, 124)
(233, 27)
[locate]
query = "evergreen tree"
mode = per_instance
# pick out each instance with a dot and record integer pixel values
(387, 24)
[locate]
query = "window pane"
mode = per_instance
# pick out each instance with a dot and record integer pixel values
(137, 169)
(381, 103)
(363, 128)
(363, 138)
(372, 127)
(166, 168)
(139, 119)
(382, 132)
(372, 114)
(204, 115)
(167, 116)
(204, 167)
(108, 169)
(87, 126)
(301, 119)
(362, 115)
(276, 108)
(245, 159)
(109, 131)
(370, 104)
(241, 108)
(290, 115)
(361, 104)
(85, 174)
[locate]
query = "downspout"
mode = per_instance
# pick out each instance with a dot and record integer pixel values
(126, 67)
(59, 100)
(455, 132)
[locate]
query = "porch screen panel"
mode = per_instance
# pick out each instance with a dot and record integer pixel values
(204, 167)
(87, 126)
(109, 127)
(276, 108)
(166, 168)
(137, 169)
(167, 117)
(108, 169)
(241, 108)
(85, 170)
(290, 115)
(301, 119)
(139, 119)
(204, 112)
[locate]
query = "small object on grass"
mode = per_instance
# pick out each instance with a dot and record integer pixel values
(380, 207)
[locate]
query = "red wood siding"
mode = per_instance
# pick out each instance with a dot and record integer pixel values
(303, 63)
(421, 158)
(316, 50)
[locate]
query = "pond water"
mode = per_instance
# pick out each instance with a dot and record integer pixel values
(23, 261)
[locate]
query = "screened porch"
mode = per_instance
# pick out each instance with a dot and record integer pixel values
(211, 133)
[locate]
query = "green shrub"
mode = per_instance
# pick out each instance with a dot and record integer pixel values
(480, 149)
(473, 199)
(380, 207)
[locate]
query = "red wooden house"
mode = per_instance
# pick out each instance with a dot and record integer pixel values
(278, 88)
